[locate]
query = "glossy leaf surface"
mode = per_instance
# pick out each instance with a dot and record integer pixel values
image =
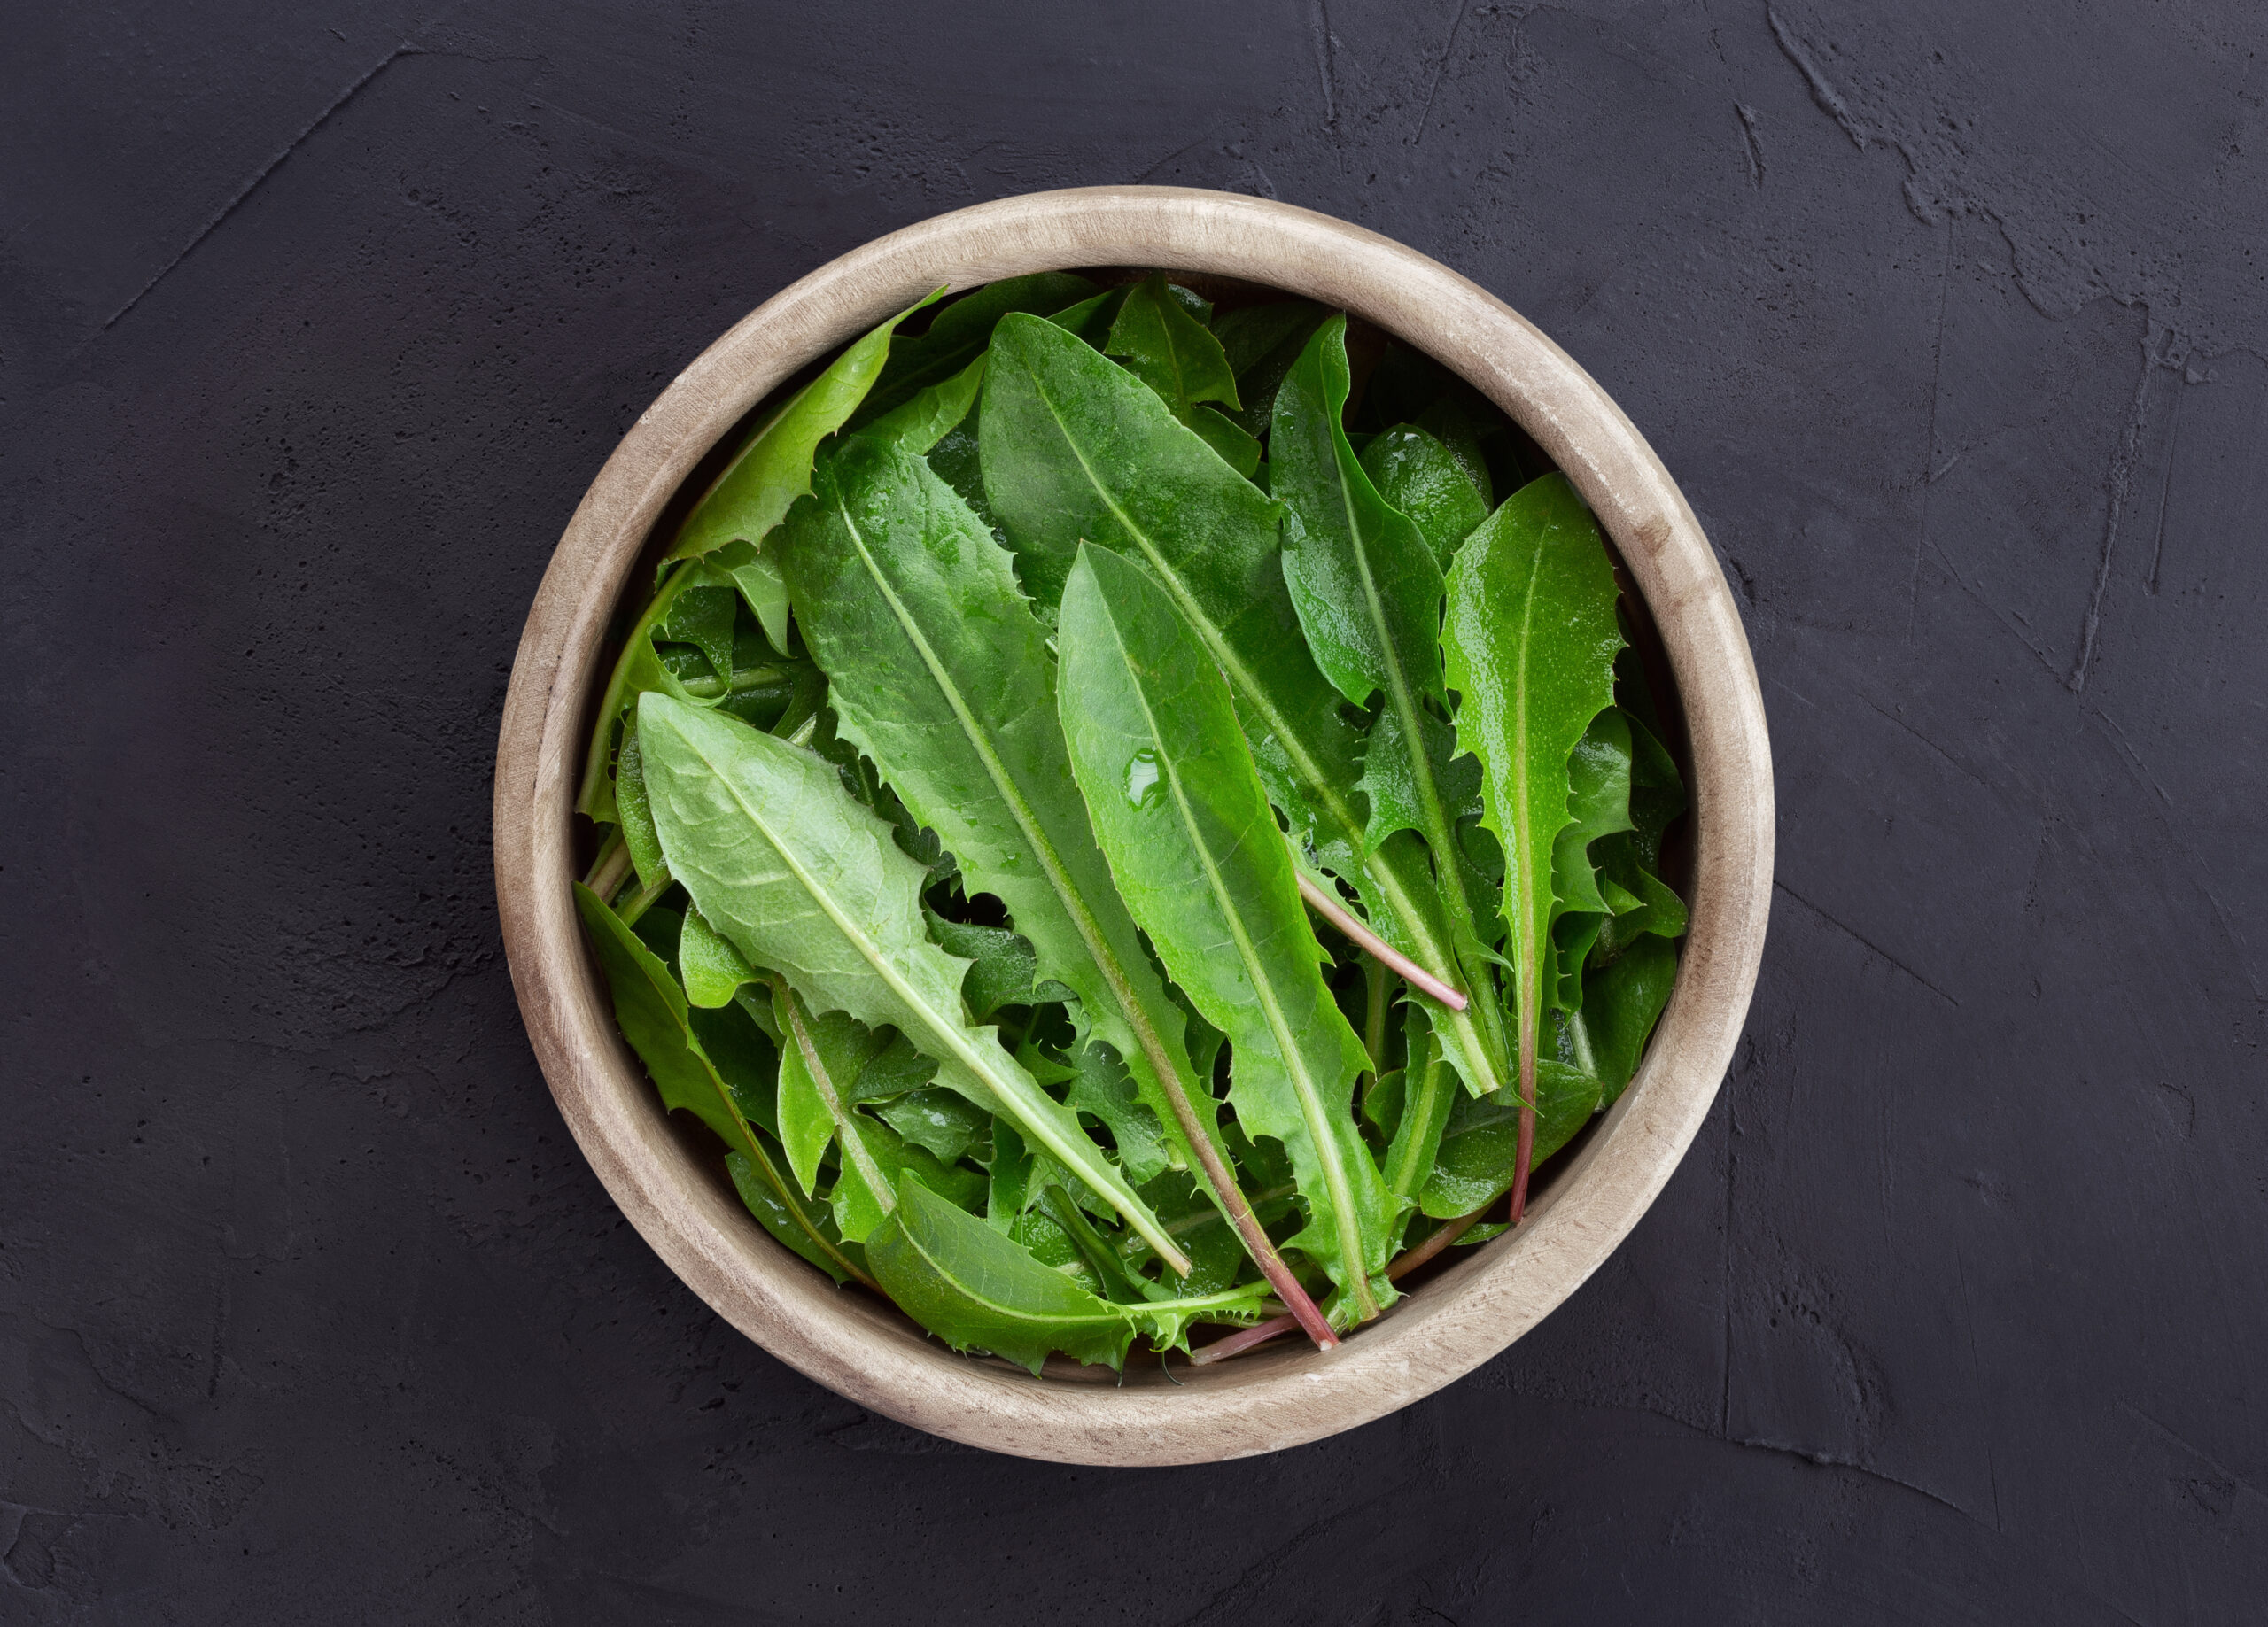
(1179, 809)
(1369, 592)
(959, 333)
(1161, 344)
(774, 468)
(1417, 475)
(1480, 1144)
(1530, 642)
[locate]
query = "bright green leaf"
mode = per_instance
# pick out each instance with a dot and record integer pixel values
(782, 861)
(1530, 642)
(1179, 809)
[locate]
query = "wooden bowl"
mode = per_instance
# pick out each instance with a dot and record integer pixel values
(671, 1187)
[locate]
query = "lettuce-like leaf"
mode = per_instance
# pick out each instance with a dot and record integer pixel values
(1179, 809)
(780, 858)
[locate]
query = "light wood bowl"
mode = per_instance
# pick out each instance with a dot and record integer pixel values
(673, 1190)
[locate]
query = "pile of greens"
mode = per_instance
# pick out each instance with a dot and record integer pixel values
(1001, 713)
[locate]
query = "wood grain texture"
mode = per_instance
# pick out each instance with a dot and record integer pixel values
(1269, 1400)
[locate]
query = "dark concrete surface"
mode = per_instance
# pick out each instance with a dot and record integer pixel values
(316, 319)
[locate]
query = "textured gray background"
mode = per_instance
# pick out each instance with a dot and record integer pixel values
(316, 319)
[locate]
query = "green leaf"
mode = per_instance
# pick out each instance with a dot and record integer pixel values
(920, 424)
(1530, 643)
(701, 613)
(940, 674)
(1170, 351)
(746, 1058)
(959, 332)
(1622, 1003)
(1657, 791)
(774, 468)
(1419, 477)
(638, 669)
(1369, 592)
(1091, 320)
(1002, 967)
(1237, 449)
(713, 969)
(1429, 1094)
(1262, 342)
(1461, 421)
(1480, 1146)
(1390, 782)
(1215, 1253)
(1076, 449)
(1101, 1086)
(942, 1121)
(1598, 806)
(976, 1290)
(637, 820)
(1179, 809)
(819, 1054)
(896, 1069)
(652, 1013)
(780, 860)
(801, 1225)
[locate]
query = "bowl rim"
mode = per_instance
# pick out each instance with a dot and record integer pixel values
(1270, 1399)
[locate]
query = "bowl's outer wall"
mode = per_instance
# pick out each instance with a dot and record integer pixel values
(1270, 1399)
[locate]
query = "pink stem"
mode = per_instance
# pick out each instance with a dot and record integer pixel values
(1237, 1344)
(1371, 943)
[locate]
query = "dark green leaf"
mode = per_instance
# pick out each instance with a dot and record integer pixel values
(637, 819)
(959, 333)
(1429, 1095)
(1091, 320)
(1169, 350)
(1076, 449)
(1237, 449)
(774, 468)
(654, 1017)
(1419, 477)
(801, 1225)
(896, 1069)
(976, 1290)
(943, 1121)
(1101, 1086)
(1622, 1003)
(1001, 965)
(1262, 342)
(918, 425)
(1368, 593)
(1481, 1142)
(820, 1054)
